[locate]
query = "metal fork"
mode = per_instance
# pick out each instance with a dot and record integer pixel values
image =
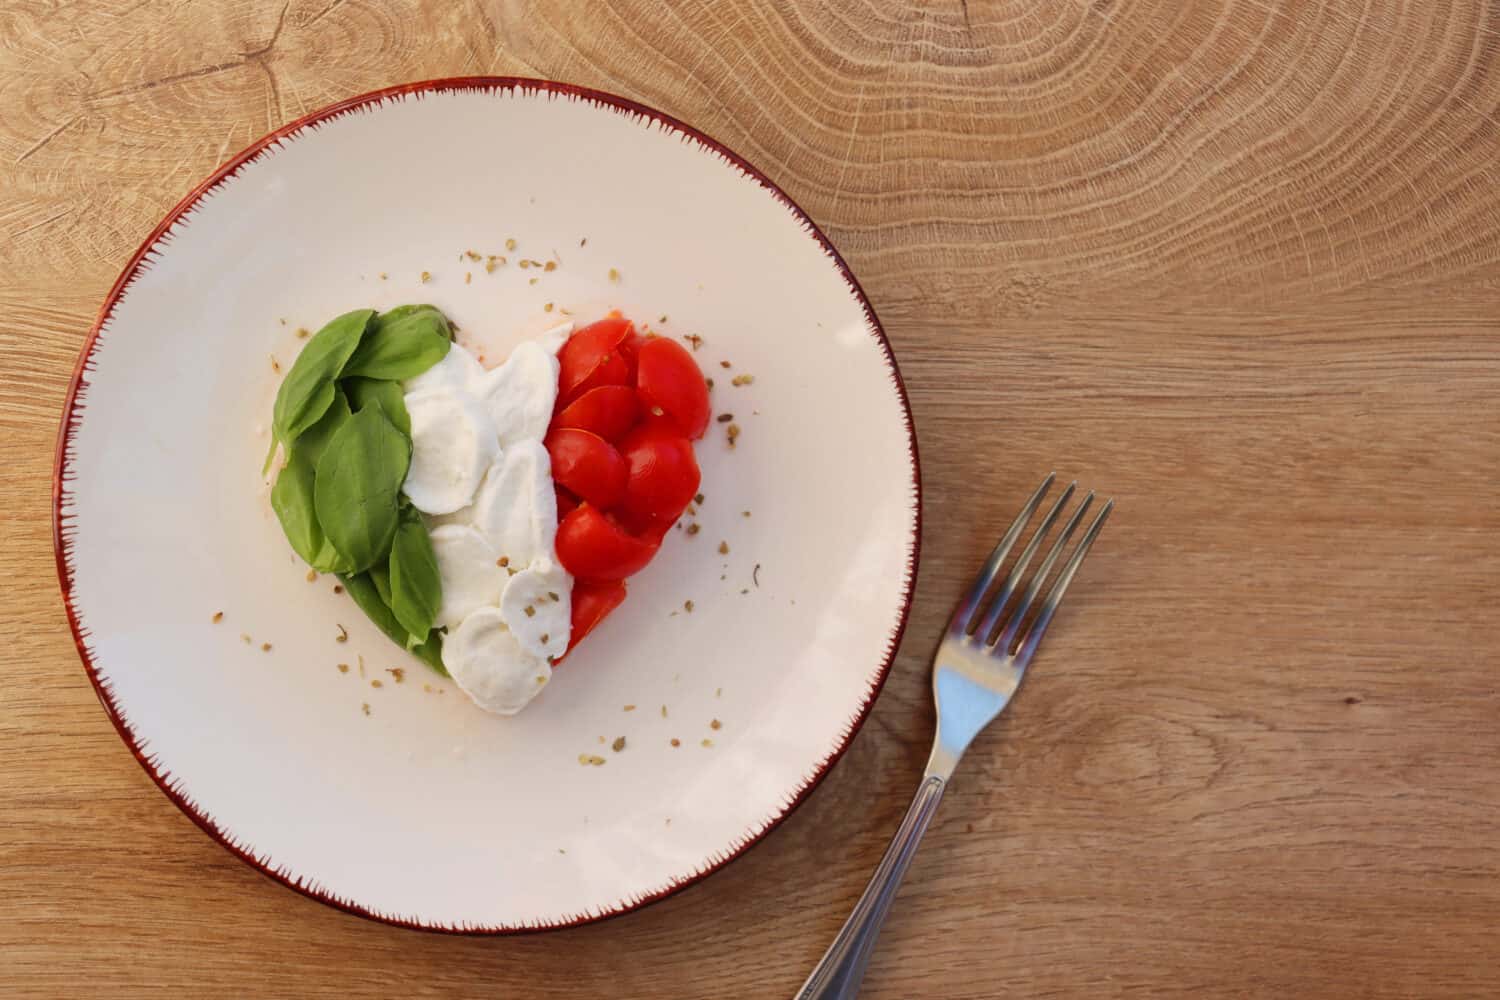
(974, 674)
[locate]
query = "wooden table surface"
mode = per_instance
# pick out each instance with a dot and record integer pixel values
(1236, 262)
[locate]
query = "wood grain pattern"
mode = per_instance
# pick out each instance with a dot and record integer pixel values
(1237, 262)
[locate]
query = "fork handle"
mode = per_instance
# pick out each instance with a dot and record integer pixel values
(839, 974)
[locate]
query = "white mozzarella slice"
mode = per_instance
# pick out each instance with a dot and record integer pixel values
(459, 371)
(520, 394)
(469, 571)
(463, 516)
(552, 339)
(516, 507)
(485, 660)
(453, 442)
(536, 605)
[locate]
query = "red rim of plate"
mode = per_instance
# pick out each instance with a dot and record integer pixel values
(72, 418)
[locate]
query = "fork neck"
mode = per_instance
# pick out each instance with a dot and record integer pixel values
(942, 760)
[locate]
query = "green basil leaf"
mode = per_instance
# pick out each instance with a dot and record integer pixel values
(315, 439)
(362, 589)
(400, 313)
(380, 576)
(364, 391)
(357, 491)
(292, 499)
(308, 390)
(328, 560)
(402, 343)
(416, 587)
(431, 652)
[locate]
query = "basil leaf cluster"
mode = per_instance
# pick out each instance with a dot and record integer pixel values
(340, 417)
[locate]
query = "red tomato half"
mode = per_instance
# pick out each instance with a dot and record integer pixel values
(655, 424)
(663, 473)
(592, 602)
(566, 502)
(611, 369)
(668, 379)
(587, 465)
(592, 546)
(645, 526)
(591, 357)
(608, 410)
(631, 348)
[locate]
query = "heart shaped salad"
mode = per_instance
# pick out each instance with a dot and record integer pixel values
(485, 519)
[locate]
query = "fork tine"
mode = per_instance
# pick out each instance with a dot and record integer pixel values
(1002, 644)
(1055, 596)
(1002, 597)
(966, 607)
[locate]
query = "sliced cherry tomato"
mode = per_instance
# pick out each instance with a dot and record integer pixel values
(588, 465)
(592, 602)
(669, 380)
(591, 357)
(631, 348)
(644, 525)
(611, 369)
(588, 343)
(608, 410)
(566, 502)
(655, 423)
(592, 546)
(663, 473)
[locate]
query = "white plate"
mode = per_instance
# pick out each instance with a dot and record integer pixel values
(427, 812)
